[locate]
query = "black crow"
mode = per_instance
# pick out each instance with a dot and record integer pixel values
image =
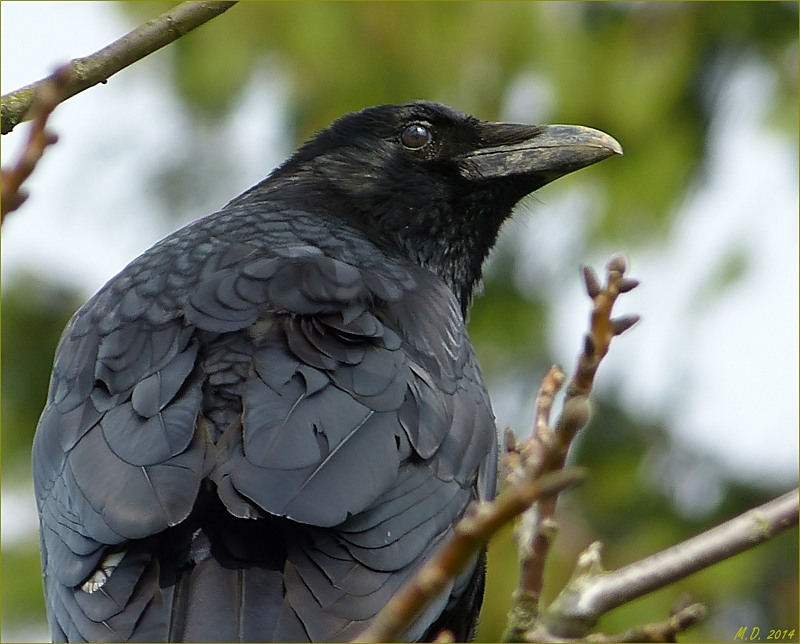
(268, 421)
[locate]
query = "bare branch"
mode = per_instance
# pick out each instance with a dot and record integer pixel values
(546, 450)
(47, 96)
(664, 631)
(469, 536)
(603, 328)
(592, 591)
(100, 66)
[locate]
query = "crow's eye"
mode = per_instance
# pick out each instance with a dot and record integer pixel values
(416, 135)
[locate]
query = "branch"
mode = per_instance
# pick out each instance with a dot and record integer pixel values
(665, 631)
(546, 450)
(100, 66)
(470, 535)
(593, 592)
(47, 96)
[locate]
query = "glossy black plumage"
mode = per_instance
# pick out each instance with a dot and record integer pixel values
(263, 425)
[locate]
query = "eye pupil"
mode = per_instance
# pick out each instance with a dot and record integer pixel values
(416, 135)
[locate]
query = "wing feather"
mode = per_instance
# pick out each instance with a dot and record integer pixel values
(341, 395)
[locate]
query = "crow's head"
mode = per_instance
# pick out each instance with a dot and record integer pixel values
(427, 181)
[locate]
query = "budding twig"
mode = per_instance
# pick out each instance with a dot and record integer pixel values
(546, 450)
(46, 97)
(603, 328)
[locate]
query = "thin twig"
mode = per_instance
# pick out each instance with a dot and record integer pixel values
(47, 96)
(529, 459)
(546, 450)
(664, 631)
(101, 65)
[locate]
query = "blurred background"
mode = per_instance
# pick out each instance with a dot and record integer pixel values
(696, 408)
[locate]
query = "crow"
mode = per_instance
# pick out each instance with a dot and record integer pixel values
(269, 420)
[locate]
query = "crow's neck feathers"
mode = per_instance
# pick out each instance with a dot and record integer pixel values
(426, 183)
(418, 209)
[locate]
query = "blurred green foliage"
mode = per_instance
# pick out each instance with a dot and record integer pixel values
(34, 315)
(648, 73)
(644, 72)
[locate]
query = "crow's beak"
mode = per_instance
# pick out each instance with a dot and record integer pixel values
(541, 153)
